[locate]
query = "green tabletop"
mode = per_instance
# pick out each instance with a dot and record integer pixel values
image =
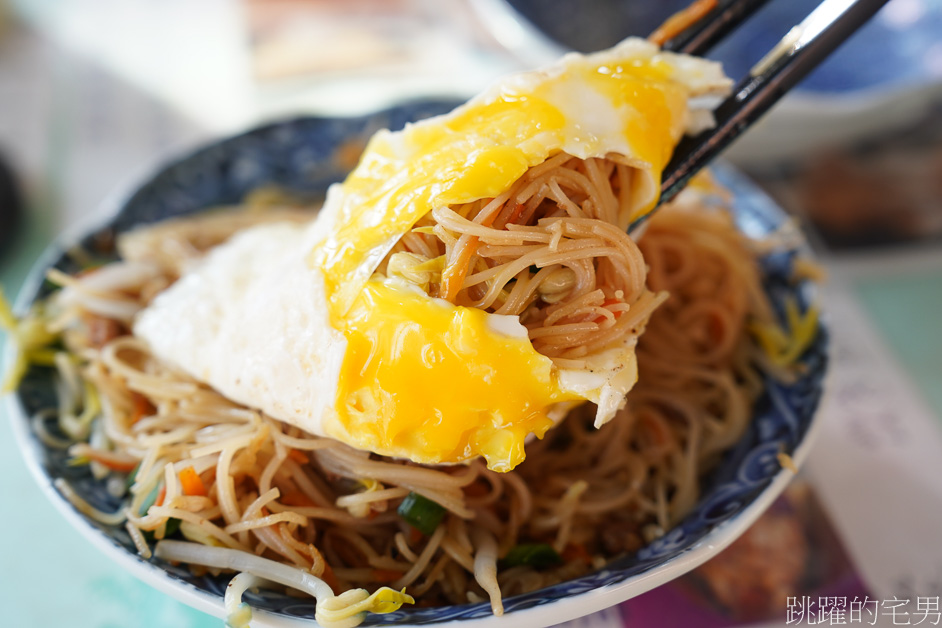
(907, 310)
(52, 576)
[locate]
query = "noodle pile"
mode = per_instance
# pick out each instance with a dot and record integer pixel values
(255, 495)
(548, 249)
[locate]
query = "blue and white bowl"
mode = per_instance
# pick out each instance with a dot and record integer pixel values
(305, 155)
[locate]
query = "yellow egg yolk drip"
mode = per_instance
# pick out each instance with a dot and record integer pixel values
(481, 148)
(425, 380)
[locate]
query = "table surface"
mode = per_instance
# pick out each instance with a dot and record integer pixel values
(75, 133)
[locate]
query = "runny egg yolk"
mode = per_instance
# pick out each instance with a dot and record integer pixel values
(481, 148)
(436, 383)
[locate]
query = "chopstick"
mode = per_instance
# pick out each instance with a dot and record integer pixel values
(801, 50)
(715, 19)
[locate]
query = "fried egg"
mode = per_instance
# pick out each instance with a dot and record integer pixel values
(293, 319)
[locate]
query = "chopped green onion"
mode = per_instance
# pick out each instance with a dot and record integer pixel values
(421, 513)
(149, 501)
(132, 478)
(173, 524)
(93, 263)
(172, 527)
(536, 555)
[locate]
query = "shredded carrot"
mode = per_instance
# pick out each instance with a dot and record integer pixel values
(161, 495)
(386, 575)
(576, 552)
(476, 489)
(101, 330)
(330, 578)
(191, 482)
(454, 274)
(516, 213)
(487, 222)
(142, 407)
(298, 456)
(656, 431)
(297, 498)
(605, 304)
(716, 328)
(414, 536)
(681, 21)
(112, 462)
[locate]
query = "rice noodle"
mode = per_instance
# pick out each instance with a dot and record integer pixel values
(87, 509)
(289, 506)
(559, 215)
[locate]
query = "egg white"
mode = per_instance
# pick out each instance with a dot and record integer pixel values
(262, 318)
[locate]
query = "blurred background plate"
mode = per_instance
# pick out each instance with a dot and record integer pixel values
(884, 77)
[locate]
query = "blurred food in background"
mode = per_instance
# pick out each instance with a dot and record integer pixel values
(791, 551)
(358, 56)
(881, 191)
(291, 38)
(899, 48)
(589, 25)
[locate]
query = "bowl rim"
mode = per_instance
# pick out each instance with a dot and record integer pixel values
(560, 610)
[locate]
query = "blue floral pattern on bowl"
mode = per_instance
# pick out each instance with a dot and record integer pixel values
(305, 155)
